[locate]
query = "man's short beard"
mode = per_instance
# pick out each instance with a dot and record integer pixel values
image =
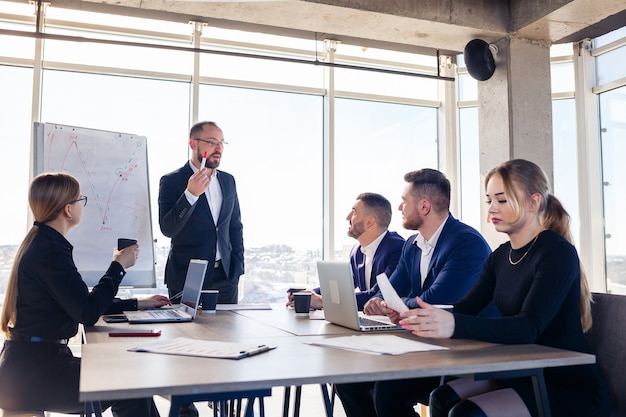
(412, 225)
(354, 231)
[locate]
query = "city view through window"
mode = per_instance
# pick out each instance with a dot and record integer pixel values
(277, 146)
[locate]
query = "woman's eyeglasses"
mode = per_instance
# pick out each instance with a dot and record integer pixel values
(82, 199)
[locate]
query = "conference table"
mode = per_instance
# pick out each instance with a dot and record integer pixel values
(111, 371)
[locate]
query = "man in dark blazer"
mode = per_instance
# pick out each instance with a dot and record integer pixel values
(368, 221)
(439, 264)
(199, 211)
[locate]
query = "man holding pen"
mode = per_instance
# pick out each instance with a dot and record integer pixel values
(199, 211)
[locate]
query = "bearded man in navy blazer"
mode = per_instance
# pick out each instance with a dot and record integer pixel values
(378, 249)
(199, 211)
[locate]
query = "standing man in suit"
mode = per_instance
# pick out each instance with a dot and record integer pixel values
(378, 249)
(440, 264)
(199, 211)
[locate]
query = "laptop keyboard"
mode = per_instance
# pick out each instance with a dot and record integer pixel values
(364, 321)
(162, 314)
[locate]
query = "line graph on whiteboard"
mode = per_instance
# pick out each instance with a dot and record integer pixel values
(112, 171)
(90, 161)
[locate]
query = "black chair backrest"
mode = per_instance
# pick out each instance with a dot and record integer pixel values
(607, 338)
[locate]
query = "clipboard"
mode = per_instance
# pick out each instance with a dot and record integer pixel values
(184, 346)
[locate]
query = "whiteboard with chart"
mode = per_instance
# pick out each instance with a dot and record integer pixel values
(112, 169)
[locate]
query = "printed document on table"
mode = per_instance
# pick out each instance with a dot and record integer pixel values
(389, 294)
(377, 344)
(203, 348)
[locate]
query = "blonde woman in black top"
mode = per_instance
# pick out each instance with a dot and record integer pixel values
(46, 299)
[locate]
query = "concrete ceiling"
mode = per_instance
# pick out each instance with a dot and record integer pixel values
(408, 25)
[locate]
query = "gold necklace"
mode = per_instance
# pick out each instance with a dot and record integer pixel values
(524, 255)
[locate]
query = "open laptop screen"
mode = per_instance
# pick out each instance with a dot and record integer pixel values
(193, 284)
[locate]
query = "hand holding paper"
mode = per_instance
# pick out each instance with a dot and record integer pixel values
(390, 295)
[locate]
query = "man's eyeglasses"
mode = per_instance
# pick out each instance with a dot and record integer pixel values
(82, 199)
(213, 143)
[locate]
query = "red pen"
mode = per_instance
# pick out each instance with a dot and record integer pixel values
(203, 160)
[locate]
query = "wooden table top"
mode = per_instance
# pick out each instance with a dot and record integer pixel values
(110, 371)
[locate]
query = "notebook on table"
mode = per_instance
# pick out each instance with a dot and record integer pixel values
(339, 299)
(190, 299)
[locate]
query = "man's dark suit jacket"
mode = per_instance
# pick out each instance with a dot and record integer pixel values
(385, 260)
(194, 233)
(454, 268)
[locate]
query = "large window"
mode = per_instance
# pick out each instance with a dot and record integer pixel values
(613, 128)
(375, 145)
(15, 107)
(611, 82)
(472, 190)
(278, 118)
(564, 135)
(274, 152)
(272, 113)
(565, 157)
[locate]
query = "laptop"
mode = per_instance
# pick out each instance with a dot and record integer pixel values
(190, 299)
(339, 299)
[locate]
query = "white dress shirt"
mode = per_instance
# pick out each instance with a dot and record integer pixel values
(427, 247)
(213, 196)
(369, 251)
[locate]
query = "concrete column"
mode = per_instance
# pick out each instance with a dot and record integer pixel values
(515, 113)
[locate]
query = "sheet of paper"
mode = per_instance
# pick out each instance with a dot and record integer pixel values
(377, 344)
(203, 348)
(389, 294)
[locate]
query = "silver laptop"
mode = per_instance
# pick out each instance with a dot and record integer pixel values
(339, 300)
(190, 299)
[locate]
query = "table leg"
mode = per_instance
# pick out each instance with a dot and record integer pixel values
(328, 401)
(296, 406)
(541, 394)
(287, 401)
(93, 408)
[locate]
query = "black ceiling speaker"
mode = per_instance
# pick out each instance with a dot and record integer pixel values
(478, 56)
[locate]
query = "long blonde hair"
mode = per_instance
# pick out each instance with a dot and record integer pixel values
(47, 195)
(530, 179)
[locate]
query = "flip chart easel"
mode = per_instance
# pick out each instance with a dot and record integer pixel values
(112, 169)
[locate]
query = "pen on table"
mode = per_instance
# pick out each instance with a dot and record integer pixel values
(258, 349)
(203, 160)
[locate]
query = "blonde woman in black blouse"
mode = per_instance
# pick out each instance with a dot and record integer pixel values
(46, 299)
